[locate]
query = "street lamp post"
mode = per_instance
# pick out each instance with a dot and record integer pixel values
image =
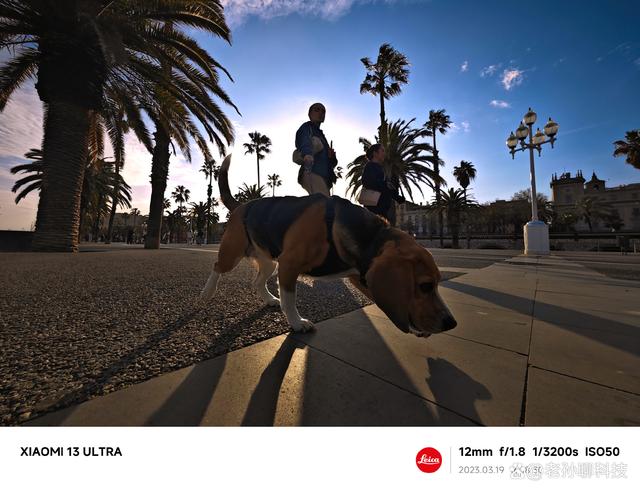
(536, 232)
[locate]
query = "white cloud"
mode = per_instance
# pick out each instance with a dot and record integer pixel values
(21, 123)
(490, 70)
(637, 62)
(236, 11)
(465, 66)
(512, 77)
(498, 103)
(465, 126)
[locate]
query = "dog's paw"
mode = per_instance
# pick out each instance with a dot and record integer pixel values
(273, 302)
(303, 325)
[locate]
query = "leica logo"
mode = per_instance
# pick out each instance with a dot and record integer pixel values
(428, 460)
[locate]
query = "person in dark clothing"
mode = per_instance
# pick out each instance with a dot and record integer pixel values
(373, 178)
(316, 173)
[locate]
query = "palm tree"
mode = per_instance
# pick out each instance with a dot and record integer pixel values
(591, 209)
(630, 147)
(384, 78)
(247, 193)
(199, 213)
(438, 121)
(260, 145)
(181, 195)
(33, 171)
(406, 163)
(123, 44)
(452, 204)
(274, 181)
(210, 171)
(465, 174)
(99, 182)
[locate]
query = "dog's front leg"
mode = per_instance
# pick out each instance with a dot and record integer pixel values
(287, 285)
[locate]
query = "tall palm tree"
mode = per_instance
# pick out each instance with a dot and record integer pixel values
(384, 78)
(123, 43)
(453, 204)
(465, 174)
(260, 145)
(274, 181)
(181, 195)
(440, 122)
(407, 160)
(209, 169)
(630, 147)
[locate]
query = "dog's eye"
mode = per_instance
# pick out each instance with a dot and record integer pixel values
(426, 287)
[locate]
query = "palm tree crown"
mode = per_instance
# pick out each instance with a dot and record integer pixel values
(259, 145)
(630, 147)
(465, 173)
(385, 76)
(274, 181)
(181, 194)
(406, 162)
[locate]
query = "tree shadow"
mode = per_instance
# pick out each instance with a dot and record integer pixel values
(261, 410)
(188, 404)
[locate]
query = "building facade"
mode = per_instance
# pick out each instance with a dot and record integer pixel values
(567, 191)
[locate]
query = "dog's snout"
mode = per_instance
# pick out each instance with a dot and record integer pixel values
(448, 323)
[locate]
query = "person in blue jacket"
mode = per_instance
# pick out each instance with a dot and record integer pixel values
(373, 178)
(316, 173)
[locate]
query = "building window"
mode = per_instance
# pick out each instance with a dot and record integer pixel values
(636, 212)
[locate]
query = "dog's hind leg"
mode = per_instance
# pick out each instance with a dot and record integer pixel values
(232, 249)
(266, 268)
(287, 278)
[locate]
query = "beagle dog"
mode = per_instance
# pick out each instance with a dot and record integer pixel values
(329, 237)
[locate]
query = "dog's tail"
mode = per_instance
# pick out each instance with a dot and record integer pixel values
(223, 184)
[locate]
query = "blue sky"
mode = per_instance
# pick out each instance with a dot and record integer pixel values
(484, 62)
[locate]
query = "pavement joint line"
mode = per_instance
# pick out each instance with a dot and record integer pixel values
(586, 381)
(523, 409)
(378, 377)
(484, 344)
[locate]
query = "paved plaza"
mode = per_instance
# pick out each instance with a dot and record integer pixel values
(540, 341)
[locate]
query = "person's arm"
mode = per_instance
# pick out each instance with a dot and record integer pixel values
(304, 144)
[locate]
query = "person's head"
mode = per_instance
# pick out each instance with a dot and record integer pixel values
(375, 153)
(317, 112)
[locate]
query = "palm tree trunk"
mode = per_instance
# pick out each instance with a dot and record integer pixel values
(114, 204)
(383, 121)
(159, 175)
(258, 160)
(436, 169)
(209, 190)
(467, 219)
(65, 149)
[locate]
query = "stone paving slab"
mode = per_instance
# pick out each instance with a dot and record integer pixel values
(276, 382)
(581, 312)
(607, 358)
(505, 329)
(497, 296)
(558, 400)
(482, 383)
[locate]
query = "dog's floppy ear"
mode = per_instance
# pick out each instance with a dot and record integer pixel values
(390, 281)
